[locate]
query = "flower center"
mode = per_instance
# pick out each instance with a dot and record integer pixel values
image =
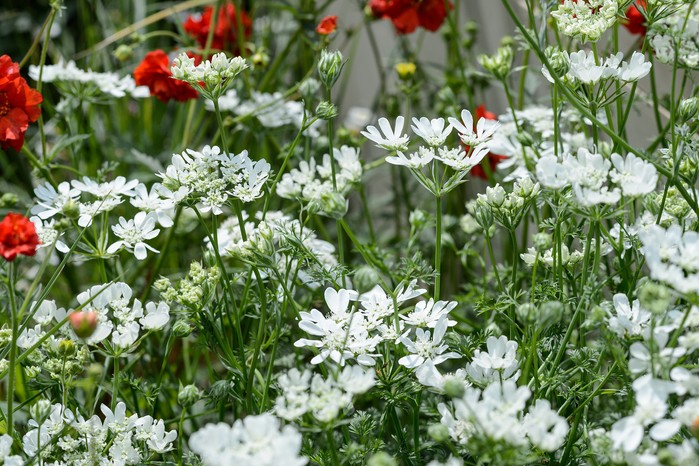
(4, 104)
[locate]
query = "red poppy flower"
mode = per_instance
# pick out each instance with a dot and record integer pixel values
(226, 32)
(407, 15)
(635, 21)
(17, 236)
(491, 159)
(19, 105)
(327, 25)
(154, 72)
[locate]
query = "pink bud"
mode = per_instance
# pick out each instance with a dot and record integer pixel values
(83, 323)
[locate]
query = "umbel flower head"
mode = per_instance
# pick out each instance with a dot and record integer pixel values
(586, 20)
(212, 77)
(17, 236)
(19, 105)
(154, 72)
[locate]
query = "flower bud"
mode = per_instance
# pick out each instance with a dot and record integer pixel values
(542, 242)
(495, 196)
(365, 278)
(438, 432)
(382, 458)
(418, 218)
(498, 65)
(260, 59)
(182, 328)
(84, 323)
(123, 52)
(333, 205)
(40, 411)
(329, 67)
(453, 387)
(71, 209)
(66, 347)
(688, 108)
(406, 70)
(326, 110)
(8, 200)
(527, 313)
(654, 297)
(309, 87)
(188, 395)
(560, 63)
(550, 313)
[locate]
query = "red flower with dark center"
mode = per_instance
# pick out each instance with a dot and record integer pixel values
(491, 159)
(17, 236)
(635, 21)
(327, 25)
(19, 105)
(226, 32)
(154, 72)
(407, 15)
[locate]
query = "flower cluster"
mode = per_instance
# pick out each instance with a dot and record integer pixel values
(67, 75)
(323, 398)
(64, 437)
(586, 20)
(318, 185)
(589, 175)
(209, 178)
(673, 35)
(19, 105)
(672, 256)
(258, 440)
(212, 77)
(583, 68)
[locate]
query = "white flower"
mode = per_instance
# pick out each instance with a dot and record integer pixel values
(635, 69)
(499, 363)
(635, 176)
(161, 441)
(134, 233)
(252, 441)
(416, 160)
(485, 129)
(157, 316)
(427, 348)
(159, 200)
(584, 68)
(551, 173)
(391, 139)
(545, 428)
(629, 319)
(460, 160)
(433, 132)
(626, 434)
(672, 256)
(115, 188)
(51, 201)
(586, 20)
(428, 313)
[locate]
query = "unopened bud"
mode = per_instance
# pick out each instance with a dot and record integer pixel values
(71, 209)
(438, 432)
(84, 323)
(542, 242)
(182, 329)
(333, 205)
(326, 110)
(406, 70)
(654, 297)
(188, 395)
(454, 388)
(365, 278)
(66, 347)
(8, 200)
(40, 411)
(329, 67)
(559, 61)
(123, 52)
(382, 459)
(689, 108)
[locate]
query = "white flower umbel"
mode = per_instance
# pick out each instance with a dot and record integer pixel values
(216, 75)
(672, 256)
(499, 363)
(484, 129)
(427, 348)
(415, 160)
(393, 140)
(51, 201)
(630, 319)
(545, 428)
(586, 20)
(428, 313)
(635, 69)
(133, 235)
(635, 176)
(433, 132)
(255, 440)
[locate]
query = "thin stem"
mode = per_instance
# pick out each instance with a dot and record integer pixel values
(438, 248)
(13, 351)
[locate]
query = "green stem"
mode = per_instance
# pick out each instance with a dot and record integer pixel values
(438, 249)
(13, 351)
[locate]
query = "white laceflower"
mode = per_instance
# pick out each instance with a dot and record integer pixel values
(551, 173)
(635, 176)
(393, 140)
(584, 68)
(545, 428)
(655, 355)
(498, 363)
(428, 313)
(460, 160)
(52, 201)
(217, 74)
(635, 69)
(434, 132)
(415, 160)
(484, 129)
(159, 200)
(586, 20)
(252, 441)
(108, 83)
(48, 234)
(427, 347)
(672, 256)
(133, 235)
(630, 319)
(673, 36)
